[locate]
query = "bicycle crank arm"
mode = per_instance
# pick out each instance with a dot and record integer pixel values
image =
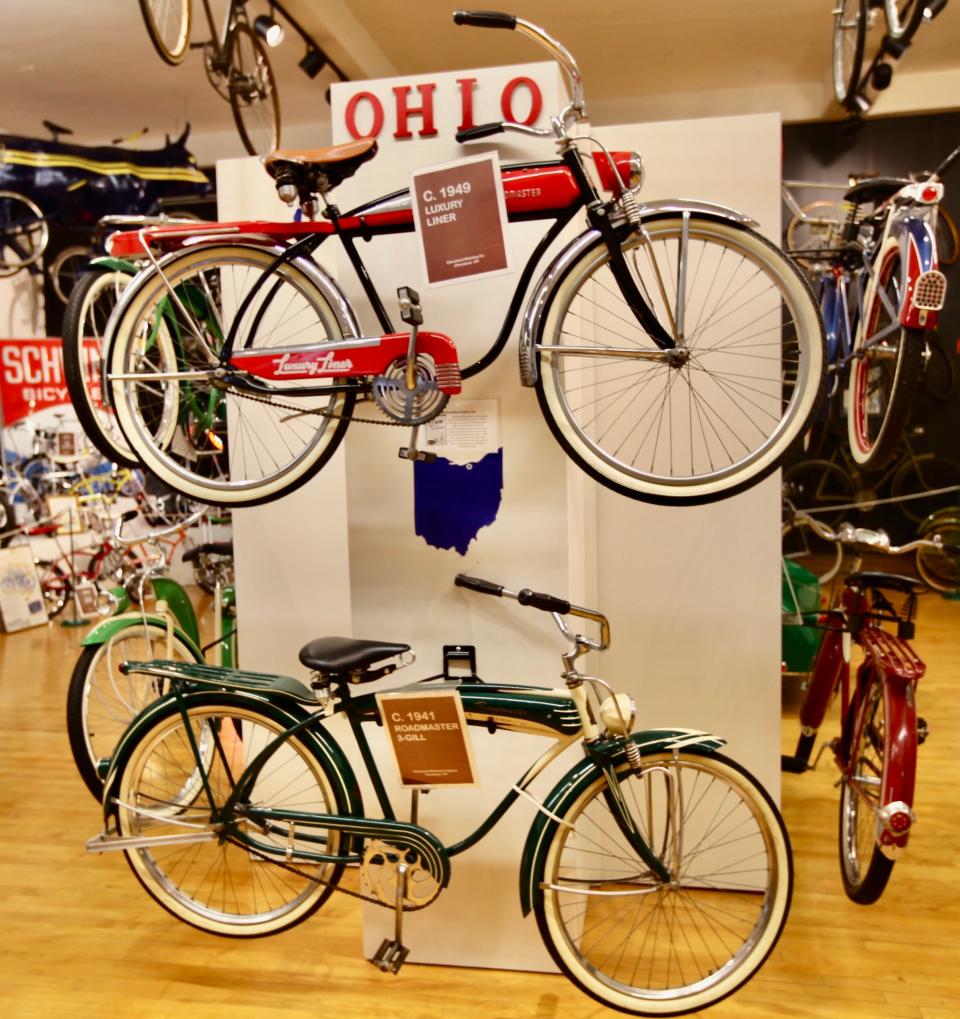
(104, 843)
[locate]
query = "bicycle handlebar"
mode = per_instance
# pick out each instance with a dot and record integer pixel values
(152, 536)
(469, 134)
(535, 599)
(484, 19)
(546, 603)
(876, 541)
(496, 19)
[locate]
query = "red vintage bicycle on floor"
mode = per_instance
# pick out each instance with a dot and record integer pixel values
(876, 750)
(676, 354)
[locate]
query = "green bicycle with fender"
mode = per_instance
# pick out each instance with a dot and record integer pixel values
(101, 700)
(658, 870)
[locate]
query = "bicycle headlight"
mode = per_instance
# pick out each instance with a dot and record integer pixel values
(636, 170)
(617, 713)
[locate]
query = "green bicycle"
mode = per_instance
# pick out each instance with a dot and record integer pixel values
(659, 871)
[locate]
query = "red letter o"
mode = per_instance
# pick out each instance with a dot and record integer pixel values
(536, 100)
(350, 115)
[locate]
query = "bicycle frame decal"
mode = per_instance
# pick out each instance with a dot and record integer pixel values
(352, 359)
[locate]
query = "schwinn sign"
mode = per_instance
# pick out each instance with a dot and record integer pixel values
(439, 105)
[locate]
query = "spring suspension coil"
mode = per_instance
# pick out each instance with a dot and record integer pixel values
(628, 202)
(634, 757)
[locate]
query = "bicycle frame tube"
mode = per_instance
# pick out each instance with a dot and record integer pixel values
(546, 190)
(831, 669)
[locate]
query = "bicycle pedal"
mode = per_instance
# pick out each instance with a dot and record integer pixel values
(923, 731)
(390, 956)
(416, 454)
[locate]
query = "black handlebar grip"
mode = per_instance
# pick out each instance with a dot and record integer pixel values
(468, 134)
(476, 584)
(485, 19)
(546, 602)
(129, 515)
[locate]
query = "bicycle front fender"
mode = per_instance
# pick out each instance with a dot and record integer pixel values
(577, 779)
(109, 629)
(109, 262)
(541, 294)
(923, 286)
(346, 788)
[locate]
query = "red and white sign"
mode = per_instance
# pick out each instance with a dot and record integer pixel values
(31, 376)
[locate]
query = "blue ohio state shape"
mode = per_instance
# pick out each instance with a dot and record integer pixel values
(452, 502)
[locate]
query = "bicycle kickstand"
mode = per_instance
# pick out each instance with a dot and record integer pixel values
(392, 954)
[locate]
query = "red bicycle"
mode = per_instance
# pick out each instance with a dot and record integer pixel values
(676, 354)
(876, 750)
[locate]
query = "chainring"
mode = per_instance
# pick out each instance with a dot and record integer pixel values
(409, 407)
(379, 875)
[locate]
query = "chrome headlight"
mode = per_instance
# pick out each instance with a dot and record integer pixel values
(617, 714)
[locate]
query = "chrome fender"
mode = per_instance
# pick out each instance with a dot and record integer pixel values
(343, 311)
(542, 293)
(579, 777)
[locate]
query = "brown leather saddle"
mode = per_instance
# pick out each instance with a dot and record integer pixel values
(316, 171)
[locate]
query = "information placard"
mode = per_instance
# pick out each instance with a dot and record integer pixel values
(21, 598)
(428, 734)
(461, 218)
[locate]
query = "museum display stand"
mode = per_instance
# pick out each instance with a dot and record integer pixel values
(692, 594)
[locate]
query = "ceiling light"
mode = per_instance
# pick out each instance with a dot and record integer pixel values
(313, 63)
(268, 30)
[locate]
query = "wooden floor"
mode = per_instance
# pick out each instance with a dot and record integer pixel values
(80, 938)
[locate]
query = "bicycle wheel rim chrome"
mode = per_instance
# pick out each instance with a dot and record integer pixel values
(252, 92)
(22, 223)
(112, 700)
(903, 17)
(224, 446)
(886, 367)
(849, 33)
(216, 883)
(660, 949)
(719, 421)
(99, 298)
(168, 24)
(861, 790)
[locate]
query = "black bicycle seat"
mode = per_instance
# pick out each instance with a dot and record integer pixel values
(346, 657)
(220, 548)
(875, 189)
(884, 581)
(56, 129)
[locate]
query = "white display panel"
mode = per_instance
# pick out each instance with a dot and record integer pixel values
(691, 593)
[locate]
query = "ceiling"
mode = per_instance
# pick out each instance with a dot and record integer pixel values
(88, 64)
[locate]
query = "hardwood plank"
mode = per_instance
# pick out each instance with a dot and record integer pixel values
(82, 938)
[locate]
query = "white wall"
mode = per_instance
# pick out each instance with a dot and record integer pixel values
(691, 593)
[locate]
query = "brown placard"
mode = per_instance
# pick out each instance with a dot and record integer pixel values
(461, 218)
(428, 734)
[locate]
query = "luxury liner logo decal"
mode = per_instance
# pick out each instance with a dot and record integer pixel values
(310, 364)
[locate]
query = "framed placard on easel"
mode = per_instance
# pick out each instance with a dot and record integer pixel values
(461, 218)
(428, 736)
(65, 510)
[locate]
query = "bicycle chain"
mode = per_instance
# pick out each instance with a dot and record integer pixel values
(311, 877)
(320, 413)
